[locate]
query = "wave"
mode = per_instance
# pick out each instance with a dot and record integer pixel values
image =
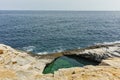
(49, 52)
(107, 43)
(29, 48)
(32, 48)
(42, 53)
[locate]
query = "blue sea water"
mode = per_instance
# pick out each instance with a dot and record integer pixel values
(52, 31)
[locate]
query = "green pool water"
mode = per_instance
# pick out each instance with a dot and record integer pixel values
(67, 62)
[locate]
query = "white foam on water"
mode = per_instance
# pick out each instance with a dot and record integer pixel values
(42, 53)
(29, 48)
(58, 50)
(54, 51)
(107, 43)
(79, 47)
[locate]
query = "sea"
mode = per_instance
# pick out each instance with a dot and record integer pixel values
(43, 32)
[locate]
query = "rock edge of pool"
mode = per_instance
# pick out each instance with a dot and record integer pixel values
(94, 62)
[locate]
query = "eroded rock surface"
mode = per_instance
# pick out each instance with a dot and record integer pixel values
(97, 52)
(86, 73)
(18, 65)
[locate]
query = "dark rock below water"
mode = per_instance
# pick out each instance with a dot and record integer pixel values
(67, 62)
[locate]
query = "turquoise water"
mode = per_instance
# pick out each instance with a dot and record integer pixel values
(67, 62)
(52, 31)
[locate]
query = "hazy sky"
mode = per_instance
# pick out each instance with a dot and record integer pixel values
(59, 4)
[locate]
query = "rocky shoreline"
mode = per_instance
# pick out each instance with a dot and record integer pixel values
(19, 65)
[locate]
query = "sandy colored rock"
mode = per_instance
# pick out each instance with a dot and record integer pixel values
(115, 62)
(87, 73)
(1, 51)
(97, 52)
(18, 65)
(7, 74)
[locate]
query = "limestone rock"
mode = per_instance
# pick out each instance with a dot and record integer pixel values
(97, 52)
(1, 51)
(6, 74)
(88, 73)
(18, 65)
(115, 62)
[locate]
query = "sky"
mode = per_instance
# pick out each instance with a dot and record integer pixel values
(60, 5)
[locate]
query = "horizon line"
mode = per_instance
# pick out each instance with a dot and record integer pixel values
(52, 10)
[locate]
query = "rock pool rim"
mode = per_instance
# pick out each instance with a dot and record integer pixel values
(76, 51)
(81, 60)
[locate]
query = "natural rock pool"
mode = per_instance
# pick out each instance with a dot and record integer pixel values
(67, 62)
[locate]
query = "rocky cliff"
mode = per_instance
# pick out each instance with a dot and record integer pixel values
(18, 65)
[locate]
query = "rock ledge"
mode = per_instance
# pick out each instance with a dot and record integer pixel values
(18, 65)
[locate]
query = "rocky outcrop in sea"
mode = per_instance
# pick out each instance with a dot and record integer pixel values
(19, 65)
